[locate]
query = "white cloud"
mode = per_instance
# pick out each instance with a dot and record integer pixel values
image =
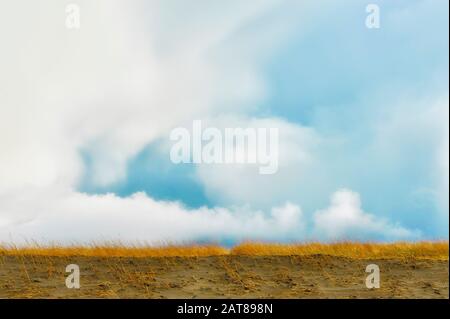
(128, 75)
(234, 183)
(69, 217)
(344, 219)
(116, 84)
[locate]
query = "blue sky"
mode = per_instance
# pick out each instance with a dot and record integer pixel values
(369, 106)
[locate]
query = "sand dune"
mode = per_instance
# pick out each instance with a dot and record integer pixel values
(225, 274)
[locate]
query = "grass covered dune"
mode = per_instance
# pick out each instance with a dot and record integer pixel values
(437, 250)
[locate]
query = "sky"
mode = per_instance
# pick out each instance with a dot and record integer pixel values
(86, 115)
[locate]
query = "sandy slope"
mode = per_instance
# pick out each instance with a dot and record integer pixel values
(221, 277)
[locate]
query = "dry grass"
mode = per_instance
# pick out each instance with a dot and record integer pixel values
(421, 250)
(115, 251)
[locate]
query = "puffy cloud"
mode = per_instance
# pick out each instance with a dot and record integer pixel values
(128, 75)
(69, 217)
(345, 219)
(115, 85)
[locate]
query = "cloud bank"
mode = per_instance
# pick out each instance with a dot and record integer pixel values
(71, 217)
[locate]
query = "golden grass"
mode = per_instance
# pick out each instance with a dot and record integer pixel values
(438, 250)
(419, 250)
(115, 251)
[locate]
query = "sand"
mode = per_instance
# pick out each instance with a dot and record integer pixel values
(316, 276)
